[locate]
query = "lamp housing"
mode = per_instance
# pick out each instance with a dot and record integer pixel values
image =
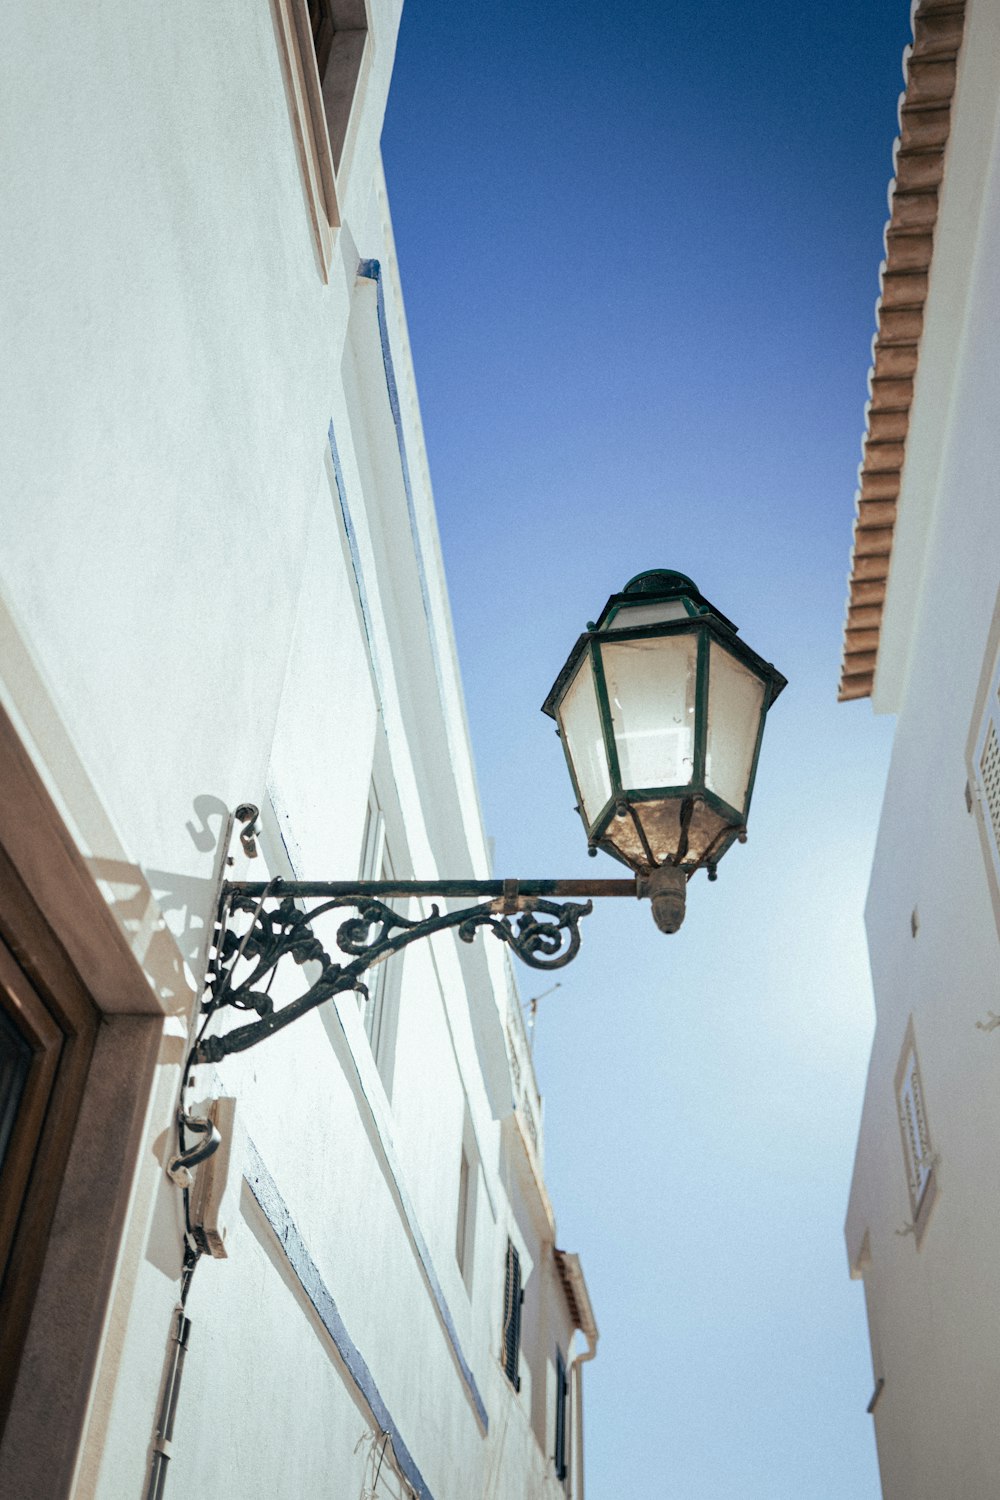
(661, 709)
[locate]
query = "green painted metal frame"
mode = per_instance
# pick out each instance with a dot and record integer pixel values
(545, 934)
(542, 932)
(707, 624)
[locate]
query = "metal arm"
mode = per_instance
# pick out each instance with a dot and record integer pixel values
(543, 933)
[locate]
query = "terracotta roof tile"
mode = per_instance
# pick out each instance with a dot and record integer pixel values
(864, 591)
(855, 687)
(873, 542)
(896, 361)
(878, 486)
(868, 591)
(917, 210)
(881, 458)
(922, 126)
(867, 567)
(885, 425)
(918, 171)
(903, 288)
(864, 616)
(863, 640)
(860, 663)
(891, 395)
(899, 326)
(931, 66)
(909, 252)
(873, 513)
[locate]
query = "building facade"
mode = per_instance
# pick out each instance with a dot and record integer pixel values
(923, 641)
(221, 586)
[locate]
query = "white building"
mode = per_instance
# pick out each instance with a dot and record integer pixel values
(220, 582)
(923, 640)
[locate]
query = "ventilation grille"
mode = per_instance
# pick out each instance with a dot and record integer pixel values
(989, 767)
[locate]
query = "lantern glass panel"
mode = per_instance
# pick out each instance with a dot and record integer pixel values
(735, 706)
(580, 722)
(647, 614)
(651, 693)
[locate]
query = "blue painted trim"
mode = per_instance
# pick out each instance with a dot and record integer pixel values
(420, 1245)
(359, 577)
(371, 270)
(275, 1211)
(395, 1170)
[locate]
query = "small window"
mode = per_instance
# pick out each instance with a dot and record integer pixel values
(562, 1390)
(327, 58)
(463, 1211)
(986, 767)
(918, 1152)
(513, 1297)
(982, 793)
(339, 33)
(468, 1194)
(465, 1228)
(376, 864)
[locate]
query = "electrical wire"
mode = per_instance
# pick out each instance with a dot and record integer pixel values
(385, 1439)
(370, 1491)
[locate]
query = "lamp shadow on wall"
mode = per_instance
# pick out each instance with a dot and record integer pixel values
(168, 917)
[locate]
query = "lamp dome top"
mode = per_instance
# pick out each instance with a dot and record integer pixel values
(660, 581)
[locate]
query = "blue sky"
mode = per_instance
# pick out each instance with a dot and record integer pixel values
(639, 249)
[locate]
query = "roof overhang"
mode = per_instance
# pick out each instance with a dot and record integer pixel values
(930, 68)
(577, 1297)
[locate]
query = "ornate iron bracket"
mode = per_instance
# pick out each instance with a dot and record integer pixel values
(543, 933)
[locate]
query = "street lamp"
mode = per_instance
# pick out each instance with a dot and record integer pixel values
(661, 710)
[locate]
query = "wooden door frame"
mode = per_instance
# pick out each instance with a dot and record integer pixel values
(57, 925)
(43, 995)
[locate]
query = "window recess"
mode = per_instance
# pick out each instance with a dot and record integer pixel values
(562, 1390)
(339, 31)
(383, 980)
(326, 47)
(463, 1210)
(465, 1227)
(919, 1157)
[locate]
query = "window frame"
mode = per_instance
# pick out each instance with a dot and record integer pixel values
(325, 103)
(466, 1207)
(982, 779)
(919, 1157)
(379, 1013)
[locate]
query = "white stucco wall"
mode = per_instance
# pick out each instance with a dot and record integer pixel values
(933, 1303)
(200, 630)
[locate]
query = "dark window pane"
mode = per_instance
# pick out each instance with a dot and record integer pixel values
(15, 1063)
(560, 1445)
(321, 21)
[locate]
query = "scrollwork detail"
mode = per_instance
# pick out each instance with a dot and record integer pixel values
(544, 934)
(539, 943)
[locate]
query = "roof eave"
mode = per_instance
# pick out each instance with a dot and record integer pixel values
(577, 1296)
(930, 67)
